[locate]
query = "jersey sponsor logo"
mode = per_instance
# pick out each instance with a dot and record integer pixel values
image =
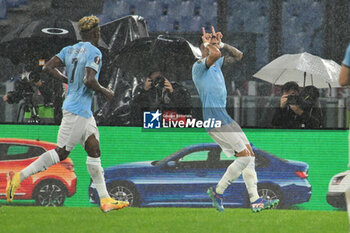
(55, 31)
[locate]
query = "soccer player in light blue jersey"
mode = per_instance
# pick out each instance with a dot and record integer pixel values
(210, 83)
(83, 63)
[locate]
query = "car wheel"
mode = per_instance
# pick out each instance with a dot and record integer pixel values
(271, 193)
(50, 193)
(124, 192)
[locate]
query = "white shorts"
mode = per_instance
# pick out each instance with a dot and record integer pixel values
(230, 138)
(74, 129)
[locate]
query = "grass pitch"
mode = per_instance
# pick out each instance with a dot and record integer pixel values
(173, 220)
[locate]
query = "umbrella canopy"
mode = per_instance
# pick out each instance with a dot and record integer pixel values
(39, 39)
(304, 68)
(173, 56)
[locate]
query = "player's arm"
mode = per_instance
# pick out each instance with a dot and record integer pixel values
(51, 68)
(213, 56)
(213, 52)
(91, 82)
(233, 54)
(344, 76)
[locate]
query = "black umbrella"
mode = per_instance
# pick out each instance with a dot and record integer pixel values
(173, 56)
(39, 39)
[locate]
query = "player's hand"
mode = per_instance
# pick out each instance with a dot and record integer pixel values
(206, 36)
(219, 36)
(148, 84)
(216, 37)
(296, 109)
(109, 94)
(284, 99)
(5, 97)
(167, 85)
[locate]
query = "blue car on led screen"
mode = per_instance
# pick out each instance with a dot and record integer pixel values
(182, 179)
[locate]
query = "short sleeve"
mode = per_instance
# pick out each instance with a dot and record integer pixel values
(62, 54)
(199, 68)
(346, 60)
(220, 61)
(94, 60)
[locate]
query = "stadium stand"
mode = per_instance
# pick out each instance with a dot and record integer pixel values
(182, 8)
(162, 15)
(301, 19)
(251, 16)
(301, 26)
(5, 5)
(3, 9)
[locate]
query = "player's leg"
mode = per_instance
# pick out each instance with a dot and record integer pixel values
(250, 178)
(231, 144)
(44, 161)
(249, 173)
(93, 162)
(94, 167)
(66, 140)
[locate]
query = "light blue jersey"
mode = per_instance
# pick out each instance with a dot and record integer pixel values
(346, 60)
(211, 87)
(76, 58)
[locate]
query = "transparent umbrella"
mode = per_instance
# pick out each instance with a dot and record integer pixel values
(303, 68)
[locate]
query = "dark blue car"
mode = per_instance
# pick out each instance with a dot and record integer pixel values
(182, 179)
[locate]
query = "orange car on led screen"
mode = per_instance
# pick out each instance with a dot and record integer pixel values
(47, 188)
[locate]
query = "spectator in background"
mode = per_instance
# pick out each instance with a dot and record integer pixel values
(298, 109)
(157, 92)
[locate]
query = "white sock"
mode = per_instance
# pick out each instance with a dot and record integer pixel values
(232, 173)
(44, 161)
(251, 180)
(96, 172)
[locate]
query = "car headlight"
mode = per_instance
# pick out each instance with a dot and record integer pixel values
(337, 180)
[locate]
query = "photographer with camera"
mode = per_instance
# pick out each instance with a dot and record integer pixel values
(298, 109)
(157, 92)
(38, 105)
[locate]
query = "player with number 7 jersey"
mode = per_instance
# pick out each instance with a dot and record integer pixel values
(76, 58)
(83, 65)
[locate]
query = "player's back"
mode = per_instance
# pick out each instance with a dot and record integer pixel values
(76, 58)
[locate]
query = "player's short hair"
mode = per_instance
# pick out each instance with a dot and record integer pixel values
(290, 86)
(88, 23)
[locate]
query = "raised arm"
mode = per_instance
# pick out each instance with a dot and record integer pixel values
(213, 52)
(91, 83)
(51, 68)
(233, 54)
